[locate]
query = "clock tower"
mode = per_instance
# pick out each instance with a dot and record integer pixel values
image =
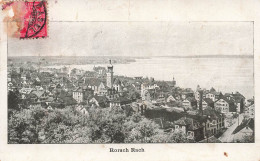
(110, 75)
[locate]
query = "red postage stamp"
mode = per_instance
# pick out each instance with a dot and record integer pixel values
(30, 18)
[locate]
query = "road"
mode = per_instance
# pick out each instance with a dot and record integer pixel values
(227, 136)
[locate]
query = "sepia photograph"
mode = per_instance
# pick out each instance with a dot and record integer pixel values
(145, 82)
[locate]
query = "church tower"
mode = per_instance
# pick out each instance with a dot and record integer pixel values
(110, 75)
(173, 82)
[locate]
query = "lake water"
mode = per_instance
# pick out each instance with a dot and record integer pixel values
(224, 74)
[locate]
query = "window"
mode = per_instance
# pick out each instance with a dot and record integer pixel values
(190, 134)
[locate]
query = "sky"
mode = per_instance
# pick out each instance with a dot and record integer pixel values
(139, 39)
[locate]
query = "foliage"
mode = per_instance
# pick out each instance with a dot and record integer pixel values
(39, 125)
(13, 100)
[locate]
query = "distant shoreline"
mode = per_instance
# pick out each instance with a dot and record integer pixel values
(145, 57)
(209, 56)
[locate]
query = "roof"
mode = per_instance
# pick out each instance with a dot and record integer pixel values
(101, 99)
(237, 94)
(213, 114)
(38, 93)
(237, 99)
(212, 90)
(117, 81)
(93, 81)
(26, 90)
(208, 100)
(191, 99)
(123, 100)
(184, 121)
(82, 89)
(191, 123)
(245, 123)
(225, 99)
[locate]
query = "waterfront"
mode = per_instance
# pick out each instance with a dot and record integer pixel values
(224, 74)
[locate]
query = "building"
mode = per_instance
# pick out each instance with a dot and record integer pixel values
(213, 95)
(225, 106)
(197, 93)
(191, 127)
(189, 103)
(170, 98)
(99, 101)
(173, 82)
(112, 93)
(187, 94)
(110, 75)
(145, 87)
(120, 101)
(82, 109)
(215, 121)
(117, 85)
(101, 71)
(250, 101)
(250, 111)
(245, 129)
(81, 94)
(207, 102)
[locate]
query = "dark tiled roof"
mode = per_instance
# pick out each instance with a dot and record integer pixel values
(93, 81)
(208, 100)
(191, 123)
(225, 99)
(101, 99)
(237, 99)
(212, 90)
(212, 113)
(246, 123)
(82, 89)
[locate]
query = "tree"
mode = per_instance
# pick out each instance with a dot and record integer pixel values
(108, 125)
(24, 126)
(139, 129)
(13, 100)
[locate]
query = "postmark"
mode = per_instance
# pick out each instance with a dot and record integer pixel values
(29, 18)
(35, 20)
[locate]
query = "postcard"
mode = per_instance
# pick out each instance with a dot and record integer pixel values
(129, 80)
